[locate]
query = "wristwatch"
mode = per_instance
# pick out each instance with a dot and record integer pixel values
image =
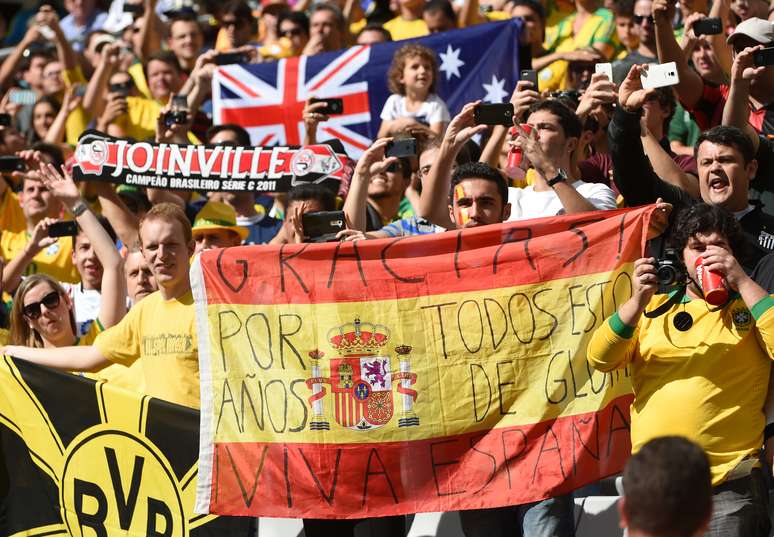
(561, 176)
(79, 208)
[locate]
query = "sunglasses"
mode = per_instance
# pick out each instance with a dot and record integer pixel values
(639, 19)
(32, 310)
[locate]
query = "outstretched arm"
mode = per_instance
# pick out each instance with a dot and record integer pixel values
(113, 289)
(434, 201)
(737, 110)
(691, 86)
(372, 161)
(633, 174)
(83, 358)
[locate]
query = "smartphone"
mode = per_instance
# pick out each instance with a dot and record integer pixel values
(12, 164)
(134, 9)
(530, 75)
(322, 226)
(660, 75)
(63, 229)
(5, 120)
(605, 69)
(80, 90)
(763, 57)
(121, 88)
(229, 58)
(402, 147)
(708, 26)
(22, 96)
(494, 114)
(332, 106)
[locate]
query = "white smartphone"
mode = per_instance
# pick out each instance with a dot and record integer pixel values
(46, 31)
(660, 75)
(606, 69)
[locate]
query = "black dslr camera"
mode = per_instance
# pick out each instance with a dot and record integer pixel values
(670, 271)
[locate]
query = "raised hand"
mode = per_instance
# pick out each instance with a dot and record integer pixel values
(743, 68)
(62, 187)
(372, 160)
(631, 95)
(601, 91)
(523, 97)
(463, 126)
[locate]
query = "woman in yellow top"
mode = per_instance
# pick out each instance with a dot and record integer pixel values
(42, 314)
(586, 35)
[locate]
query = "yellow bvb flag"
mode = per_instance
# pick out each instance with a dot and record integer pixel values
(82, 458)
(433, 373)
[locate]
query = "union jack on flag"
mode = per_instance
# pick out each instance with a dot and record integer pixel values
(267, 99)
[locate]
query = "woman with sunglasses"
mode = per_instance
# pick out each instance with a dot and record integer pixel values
(42, 314)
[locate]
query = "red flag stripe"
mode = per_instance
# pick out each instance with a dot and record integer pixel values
(353, 53)
(239, 84)
(490, 468)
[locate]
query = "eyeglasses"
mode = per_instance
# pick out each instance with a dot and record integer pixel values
(291, 33)
(227, 23)
(32, 310)
(639, 19)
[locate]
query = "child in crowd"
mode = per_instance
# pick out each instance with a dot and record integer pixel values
(625, 28)
(413, 103)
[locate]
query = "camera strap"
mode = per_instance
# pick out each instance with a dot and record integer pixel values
(666, 306)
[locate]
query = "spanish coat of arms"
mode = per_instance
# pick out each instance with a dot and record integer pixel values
(361, 380)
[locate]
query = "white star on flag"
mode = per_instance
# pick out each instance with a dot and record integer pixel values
(451, 63)
(495, 92)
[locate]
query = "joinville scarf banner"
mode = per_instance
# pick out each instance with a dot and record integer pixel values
(81, 458)
(383, 377)
(99, 157)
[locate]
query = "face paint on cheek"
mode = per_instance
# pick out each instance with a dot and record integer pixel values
(462, 214)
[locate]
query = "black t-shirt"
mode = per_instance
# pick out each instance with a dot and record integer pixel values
(763, 274)
(762, 185)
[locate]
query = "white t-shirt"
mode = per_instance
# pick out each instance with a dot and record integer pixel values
(526, 203)
(433, 110)
(86, 303)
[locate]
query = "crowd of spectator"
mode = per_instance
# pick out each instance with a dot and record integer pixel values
(112, 300)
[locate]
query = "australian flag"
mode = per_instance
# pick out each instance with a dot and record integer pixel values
(480, 62)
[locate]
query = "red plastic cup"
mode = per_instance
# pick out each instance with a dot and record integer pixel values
(711, 283)
(515, 155)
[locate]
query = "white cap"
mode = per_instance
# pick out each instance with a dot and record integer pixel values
(759, 30)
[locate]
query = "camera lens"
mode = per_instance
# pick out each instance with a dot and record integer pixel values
(666, 274)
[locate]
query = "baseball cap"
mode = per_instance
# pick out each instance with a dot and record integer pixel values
(759, 30)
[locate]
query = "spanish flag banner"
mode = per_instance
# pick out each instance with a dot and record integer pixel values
(384, 377)
(82, 458)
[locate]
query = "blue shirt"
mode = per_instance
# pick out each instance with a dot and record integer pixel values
(261, 231)
(76, 34)
(411, 226)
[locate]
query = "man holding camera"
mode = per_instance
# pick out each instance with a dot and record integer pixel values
(726, 165)
(707, 355)
(33, 250)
